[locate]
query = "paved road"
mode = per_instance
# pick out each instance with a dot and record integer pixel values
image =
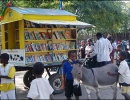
(22, 93)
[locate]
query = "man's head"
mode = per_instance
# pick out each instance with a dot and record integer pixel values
(119, 47)
(72, 55)
(38, 68)
(99, 35)
(122, 55)
(4, 58)
(82, 43)
(89, 41)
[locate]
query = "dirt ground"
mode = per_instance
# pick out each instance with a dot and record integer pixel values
(106, 93)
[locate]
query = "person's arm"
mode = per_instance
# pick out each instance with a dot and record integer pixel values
(33, 91)
(110, 46)
(95, 50)
(113, 74)
(63, 77)
(63, 81)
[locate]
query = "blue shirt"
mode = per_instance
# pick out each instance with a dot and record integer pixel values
(67, 68)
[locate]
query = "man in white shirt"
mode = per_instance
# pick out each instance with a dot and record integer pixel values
(124, 75)
(102, 49)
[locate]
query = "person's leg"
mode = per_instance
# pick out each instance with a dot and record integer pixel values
(4, 95)
(77, 92)
(125, 90)
(11, 94)
(68, 89)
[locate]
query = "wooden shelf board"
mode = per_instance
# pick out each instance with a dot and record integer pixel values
(49, 40)
(62, 39)
(37, 52)
(50, 29)
(62, 50)
(37, 40)
(36, 28)
(42, 62)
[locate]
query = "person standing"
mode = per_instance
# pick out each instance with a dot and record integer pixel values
(102, 49)
(82, 50)
(124, 75)
(40, 87)
(67, 78)
(7, 73)
(89, 47)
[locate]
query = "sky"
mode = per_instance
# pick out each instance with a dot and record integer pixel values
(126, 1)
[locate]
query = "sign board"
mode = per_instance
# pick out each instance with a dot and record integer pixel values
(16, 56)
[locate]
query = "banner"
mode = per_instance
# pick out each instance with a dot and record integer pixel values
(16, 56)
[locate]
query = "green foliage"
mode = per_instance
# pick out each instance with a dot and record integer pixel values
(108, 16)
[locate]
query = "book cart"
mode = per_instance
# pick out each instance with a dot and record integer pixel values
(32, 35)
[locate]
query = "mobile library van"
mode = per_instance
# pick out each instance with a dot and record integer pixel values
(32, 35)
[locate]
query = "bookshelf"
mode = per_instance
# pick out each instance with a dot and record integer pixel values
(48, 43)
(41, 42)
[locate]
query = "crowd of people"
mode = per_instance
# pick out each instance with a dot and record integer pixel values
(108, 51)
(103, 52)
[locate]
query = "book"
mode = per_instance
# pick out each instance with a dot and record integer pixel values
(53, 36)
(34, 38)
(57, 35)
(44, 36)
(67, 34)
(60, 34)
(48, 35)
(72, 45)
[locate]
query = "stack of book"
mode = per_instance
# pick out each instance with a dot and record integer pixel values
(37, 35)
(28, 24)
(61, 46)
(45, 58)
(33, 47)
(61, 35)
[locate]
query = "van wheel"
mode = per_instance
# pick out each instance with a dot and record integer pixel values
(28, 77)
(56, 82)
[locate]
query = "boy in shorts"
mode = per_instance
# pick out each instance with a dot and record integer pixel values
(124, 75)
(67, 79)
(40, 87)
(7, 73)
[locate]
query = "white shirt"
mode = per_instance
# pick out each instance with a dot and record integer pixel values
(124, 71)
(102, 48)
(89, 49)
(40, 89)
(114, 45)
(4, 71)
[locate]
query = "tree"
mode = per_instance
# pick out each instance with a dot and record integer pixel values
(107, 16)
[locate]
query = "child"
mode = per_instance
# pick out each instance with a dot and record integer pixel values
(40, 87)
(7, 73)
(67, 81)
(124, 75)
(119, 49)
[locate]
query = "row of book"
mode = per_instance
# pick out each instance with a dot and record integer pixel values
(37, 35)
(33, 47)
(28, 24)
(45, 58)
(46, 35)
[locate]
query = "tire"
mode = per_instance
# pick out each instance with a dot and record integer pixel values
(56, 82)
(28, 77)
